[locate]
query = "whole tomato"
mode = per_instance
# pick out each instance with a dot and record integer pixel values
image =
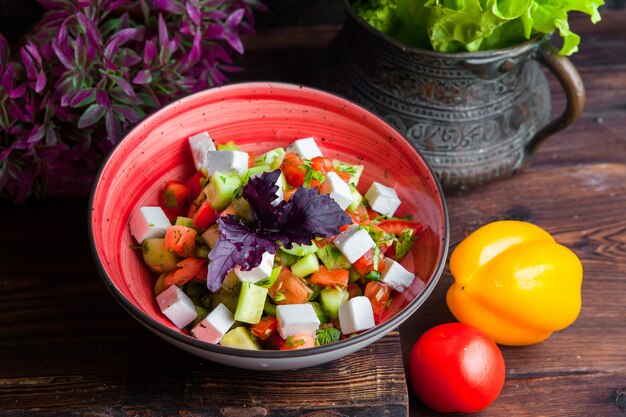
(454, 367)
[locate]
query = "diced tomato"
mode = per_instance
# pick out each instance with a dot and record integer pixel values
(325, 165)
(354, 290)
(344, 227)
(371, 214)
(289, 289)
(250, 159)
(359, 215)
(174, 199)
(365, 263)
(205, 216)
(378, 294)
(188, 269)
(396, 227)
(299, 341)
(292, 167)
(265, 328)
(180, 240)
(275, 342)
(330, 277)
(194, 184)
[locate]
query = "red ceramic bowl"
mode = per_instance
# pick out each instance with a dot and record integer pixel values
(259, 117)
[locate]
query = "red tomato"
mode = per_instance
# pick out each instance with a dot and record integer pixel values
(454, 367)
(378, 293)
(325, 165)
(194, 185)
(180, 240)
(396, 227)
(265, 328)
(174, 199)
(354, 290)
(205, 216)
(330, 277)
(275, 342)
(188, 269)
(365, 263)
(299, 341)
(292, 169)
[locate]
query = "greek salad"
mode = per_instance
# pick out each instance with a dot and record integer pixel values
(277, 251)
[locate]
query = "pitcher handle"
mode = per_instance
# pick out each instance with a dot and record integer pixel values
(572, 84)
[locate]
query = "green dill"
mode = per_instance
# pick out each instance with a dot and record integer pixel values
(292, 342)
(404, 243)
(350, 169)
(327, 335)
(151, 225)
(279, 296)
(223, 178)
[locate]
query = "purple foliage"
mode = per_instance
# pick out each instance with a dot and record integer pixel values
(91, 69)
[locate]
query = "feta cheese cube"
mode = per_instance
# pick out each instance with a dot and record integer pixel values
(296, 319)
(214, 325)
(356, 315)
(307, 148)
(227, 161)
(200, 145)
(257, 273)
(383, 199)
(337, 189)
(280, 193)
(176, 306)
(354, 242)
(396, 275)
(148, 222)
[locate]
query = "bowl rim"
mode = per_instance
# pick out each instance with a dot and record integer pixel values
(180, 337)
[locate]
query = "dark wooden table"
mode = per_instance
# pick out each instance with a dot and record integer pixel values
(66, 347)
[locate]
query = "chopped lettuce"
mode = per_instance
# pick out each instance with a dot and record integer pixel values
(474, 25)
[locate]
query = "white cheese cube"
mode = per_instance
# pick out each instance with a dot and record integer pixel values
(307, 148)
(176, 306)
(148, 222)
(200, 145)
(214, 325)
(354, 242)
(396, 275)
(382, 199)
(296, 319)
(280, 193)
(257, 273)
(227, 161)
(356, 315)
(337, 189)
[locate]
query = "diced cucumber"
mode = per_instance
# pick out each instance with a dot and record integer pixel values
(332, 257)
(269, 281)
(305, 266)
(355, 171)
(202, 313)
(241, 338)
(231, 282)
(211, 235)
(156, 257)
(257, 169)
(321, 314)
(228, 146)
(184, 221)
(158, 285)
(300, 250)
(201, 251)
(228, 298)
(354, 276)
(269, 308)
(356, 198)
(251, 303)
(242, 208)
(331, 298)
(221, 189)
(272, 158)
(284, 258)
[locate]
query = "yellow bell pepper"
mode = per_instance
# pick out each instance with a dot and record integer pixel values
(515, 283)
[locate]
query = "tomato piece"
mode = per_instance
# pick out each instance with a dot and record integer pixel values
(359, 215)
(365, 263)
(174, 199)
(265, 328)
(188, 269)
(330, 277)
(180, 240)
(250, 159)
(396, 227)
(378, 293)
(325, 165)
(289, 289)
(455, 367)
(299, 341)
(371, 214)
(292, 167)
(275, 342)
(194, 184)
(205, 216)
(354, 290)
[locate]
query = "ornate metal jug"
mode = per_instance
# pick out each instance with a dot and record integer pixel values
(475, 117)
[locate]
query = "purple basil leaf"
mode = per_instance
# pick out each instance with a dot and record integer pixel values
(92, 115)
(260, 191)
(237, 245)
(308, 214)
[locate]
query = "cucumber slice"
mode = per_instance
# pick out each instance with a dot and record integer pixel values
(257, 169)
(305, 266)
(251, 303)
(355, 171)
(201, 251)
(228, 146)
(354, 276)
(231, 282)
(184, 221)
(321, 314)
(228, 298)
(240, 338)
(284, 258)
(272, 158)
(269, 281)
(356, 198)
(221, 189)
(156, 257)
(332, 257)
(241, 208)
(269, 308)
(300, 250)
(331, 298)
(211, 235)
